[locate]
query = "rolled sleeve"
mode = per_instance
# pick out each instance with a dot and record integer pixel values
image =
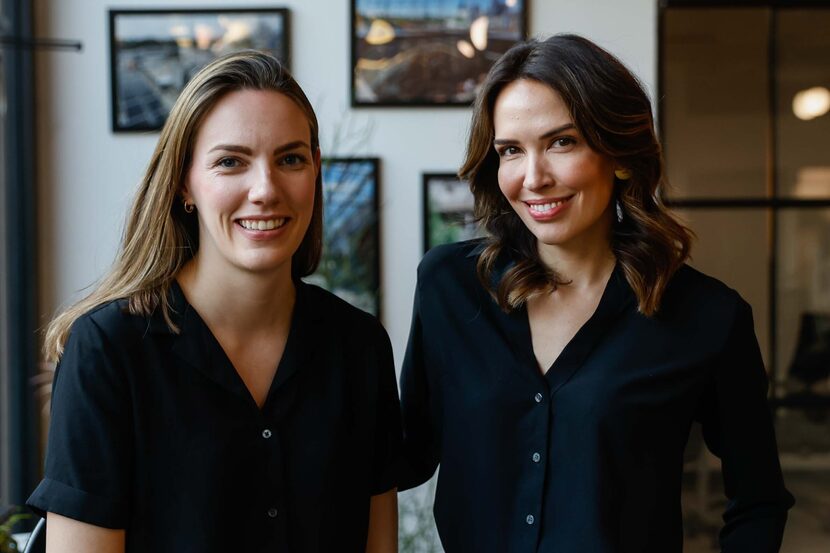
(89, 455)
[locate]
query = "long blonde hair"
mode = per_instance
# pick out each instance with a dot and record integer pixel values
(160, 237)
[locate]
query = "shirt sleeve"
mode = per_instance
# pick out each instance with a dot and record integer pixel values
(388, 421)
(737, 427)
(420, 417)
(90, 448)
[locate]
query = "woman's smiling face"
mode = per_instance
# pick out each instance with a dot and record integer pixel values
(252, 179)
(559, 187)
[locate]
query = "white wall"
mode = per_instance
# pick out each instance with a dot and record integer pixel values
(87, 173)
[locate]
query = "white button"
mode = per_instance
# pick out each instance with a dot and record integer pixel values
(536, 457)
(272, 512)
(538, 397)
(266, 433)
(530, 519)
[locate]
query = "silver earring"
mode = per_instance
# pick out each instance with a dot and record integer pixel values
(188, 208)
(619, 212)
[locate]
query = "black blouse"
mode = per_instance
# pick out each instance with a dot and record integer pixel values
(155, 432)
(589, 456)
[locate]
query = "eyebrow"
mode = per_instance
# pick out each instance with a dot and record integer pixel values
(247, 151)
(549, 134)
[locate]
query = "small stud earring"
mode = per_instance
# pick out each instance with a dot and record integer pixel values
(622, 174)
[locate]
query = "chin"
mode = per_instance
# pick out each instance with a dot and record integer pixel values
(265, 265)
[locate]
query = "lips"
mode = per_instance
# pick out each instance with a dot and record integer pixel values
(546, 208)
(262, 224)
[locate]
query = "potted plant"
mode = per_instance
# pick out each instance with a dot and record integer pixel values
(7, 522)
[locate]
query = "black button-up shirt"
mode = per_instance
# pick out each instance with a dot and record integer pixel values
(155, 432)
(587, 457)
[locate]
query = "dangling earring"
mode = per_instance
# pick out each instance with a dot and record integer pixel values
(622, 174)
(188, 208)
(619, 211)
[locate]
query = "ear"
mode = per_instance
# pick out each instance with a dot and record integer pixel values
(318, 160)
(184, 190)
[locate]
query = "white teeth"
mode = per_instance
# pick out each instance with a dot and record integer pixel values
(270, 224)
(541, 208)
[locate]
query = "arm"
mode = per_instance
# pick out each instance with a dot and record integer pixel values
(89, 456)
(67, 535)
(738, 428)
(383, 523)
(418, 408)
(383, 507)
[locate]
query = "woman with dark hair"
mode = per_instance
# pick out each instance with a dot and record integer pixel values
(205, 398)
(555, 367)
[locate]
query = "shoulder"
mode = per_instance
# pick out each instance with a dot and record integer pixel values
(698, 295)
(100, 347)
(111, 321)
(453, 261)
(337, 312)
(691, 282)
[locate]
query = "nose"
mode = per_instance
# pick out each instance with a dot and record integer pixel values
(537, 172)
(264, 189)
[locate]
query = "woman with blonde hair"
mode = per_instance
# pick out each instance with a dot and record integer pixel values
(554, 369)
(205, 398)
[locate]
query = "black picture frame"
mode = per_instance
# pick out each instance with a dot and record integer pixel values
(447, 210)
(154, 52)
(350, 265)
(432, 54)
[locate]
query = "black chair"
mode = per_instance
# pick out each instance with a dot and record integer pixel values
(811, 361)
(37, 539)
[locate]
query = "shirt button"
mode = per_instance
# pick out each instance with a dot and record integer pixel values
(536, 457)
(272, 512)
(538, 397)
(530, 519)
(266, 433)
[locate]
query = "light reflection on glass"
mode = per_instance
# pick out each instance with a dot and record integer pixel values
(811, 103)
(478, 32)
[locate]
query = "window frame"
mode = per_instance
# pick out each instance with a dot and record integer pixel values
(772, 204)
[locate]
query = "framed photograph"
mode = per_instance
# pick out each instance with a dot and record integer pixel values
(350, 266)
(448, 210)
(433, 53)
(154, 53)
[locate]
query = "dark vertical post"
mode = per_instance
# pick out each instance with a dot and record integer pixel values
(19, 230)
(772, 193)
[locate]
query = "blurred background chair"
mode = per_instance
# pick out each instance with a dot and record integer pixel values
(37, 539)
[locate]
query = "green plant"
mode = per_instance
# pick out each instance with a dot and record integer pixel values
(7, 523)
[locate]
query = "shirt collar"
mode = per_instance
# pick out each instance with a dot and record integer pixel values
(196, 345)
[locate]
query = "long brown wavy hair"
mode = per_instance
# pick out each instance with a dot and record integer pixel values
(613, 113)
(159, 236)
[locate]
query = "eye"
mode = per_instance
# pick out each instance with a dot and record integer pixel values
(293, 159)
(508, 151)
(563, 142)
(228, 163)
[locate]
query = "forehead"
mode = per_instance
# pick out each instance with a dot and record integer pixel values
(253, 115)
(526, 102)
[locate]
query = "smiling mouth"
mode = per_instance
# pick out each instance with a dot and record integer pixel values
(543, 208)
(263, 224)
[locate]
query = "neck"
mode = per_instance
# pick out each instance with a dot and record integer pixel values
(246, 303)
(584, 262)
